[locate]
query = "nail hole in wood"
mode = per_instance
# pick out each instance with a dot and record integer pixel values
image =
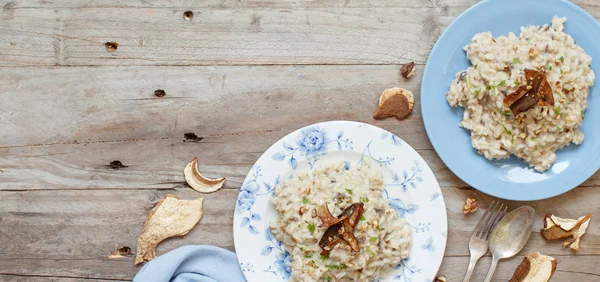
(188, 15)
(191, 137)
(117, 165)
(111, 46)
(159, 93)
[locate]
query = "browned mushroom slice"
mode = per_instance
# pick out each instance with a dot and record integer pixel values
(330, 238)
(348, 235)
(353, 212)
(545, 93)
(326, 218)
(540, 85)
(515, 96)
(525, 103)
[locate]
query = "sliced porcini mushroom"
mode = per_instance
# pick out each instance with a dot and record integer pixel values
(536, 91)
(199, 182)
(540, 86)
(560, 228)
(343, 230)
(568, 224)
(574, 243)
(326, 218)
(353, 212)
(535, 268)
(396, 102)
(169, 218)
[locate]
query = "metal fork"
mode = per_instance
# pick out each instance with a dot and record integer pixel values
(478, 244)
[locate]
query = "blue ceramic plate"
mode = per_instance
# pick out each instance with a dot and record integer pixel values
(410, 187)
(509, 179)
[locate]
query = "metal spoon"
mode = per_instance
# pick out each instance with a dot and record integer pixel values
(510, 236)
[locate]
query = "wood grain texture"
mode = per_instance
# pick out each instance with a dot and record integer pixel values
(78, 119)
(87, 225)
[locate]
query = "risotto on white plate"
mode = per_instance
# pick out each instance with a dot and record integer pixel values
(524, 95)
(337, 224)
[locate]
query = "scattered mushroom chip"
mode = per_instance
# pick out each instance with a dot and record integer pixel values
(396, 102)
(198, 181)
(535, 268)
(170, 217)
(560, 228)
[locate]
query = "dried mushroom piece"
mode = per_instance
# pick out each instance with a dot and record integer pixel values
(535, 268)
(536, 91)
(170, 217)
(396, 102)
(408, 70)
(326, 218)
(560, 228)
(344, 230)
(199, 182)
(470, 206)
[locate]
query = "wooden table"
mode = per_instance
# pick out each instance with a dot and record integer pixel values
(240, 75)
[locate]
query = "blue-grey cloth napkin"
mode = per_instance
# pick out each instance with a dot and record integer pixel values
(192, 264)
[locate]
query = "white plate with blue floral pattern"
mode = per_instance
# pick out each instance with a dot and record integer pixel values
(410, 187)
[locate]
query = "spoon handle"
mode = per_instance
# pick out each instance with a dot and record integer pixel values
(472, 264)
(488, 278)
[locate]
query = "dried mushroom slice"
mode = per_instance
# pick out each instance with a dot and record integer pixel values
(326, 218)
(574, 243)
(555, 228)
(396, 102)
(199, 182)
(535, 268)
(170, 217)
(343, 230)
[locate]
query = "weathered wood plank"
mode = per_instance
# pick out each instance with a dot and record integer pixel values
(65, 105)
(41, 278)
(61, 128)
(275, 32)
(87, 225)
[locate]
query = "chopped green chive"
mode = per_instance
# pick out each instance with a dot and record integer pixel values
(299, 225)
(349, 191)
(502, 83)
(371, 253)
(378, 228)
(364, 199)
(512, 139)
(335, 266)
(506, 130)
(582, 115)
(324, 257)
(561, 59)
(373, 239)
(517, 61)
(489, 87)
(549, 67)
(557, 110)
(362, 217)
(477, 93)
(311, 228)
(557, 129)
(305, 201)
(506, 113)
(533, 139)
(328, 278)
(516, 82)
(308, 256)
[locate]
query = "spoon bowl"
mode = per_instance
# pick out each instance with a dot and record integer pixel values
(510, 236)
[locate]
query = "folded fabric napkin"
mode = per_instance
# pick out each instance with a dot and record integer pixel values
(192, 264)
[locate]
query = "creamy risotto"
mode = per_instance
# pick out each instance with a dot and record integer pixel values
(311, 207)
(531, 130)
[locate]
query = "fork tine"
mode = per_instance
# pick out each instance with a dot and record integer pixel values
(500, 217)
(481, 224)
(495, 217)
